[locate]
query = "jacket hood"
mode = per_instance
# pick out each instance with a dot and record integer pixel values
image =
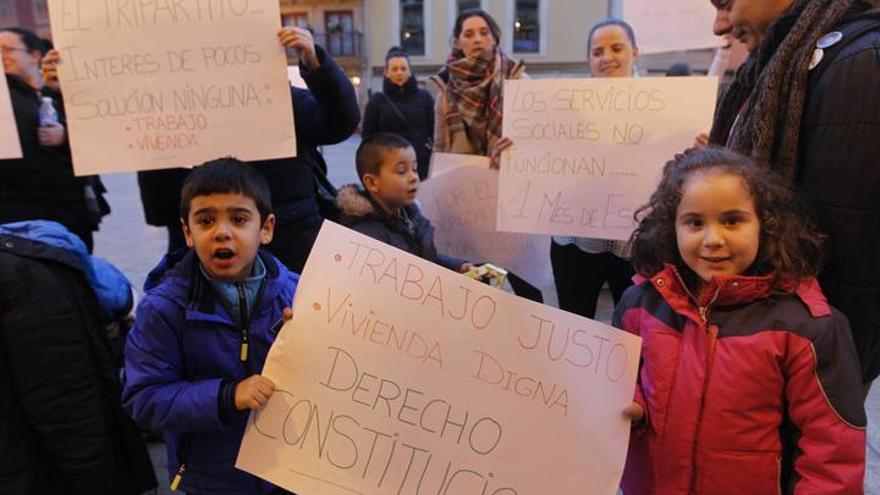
(111, 287)
(734, 289)
(409, 88)
(355, 203)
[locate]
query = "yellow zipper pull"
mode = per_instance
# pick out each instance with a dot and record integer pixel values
(244, 351)
(175, 483)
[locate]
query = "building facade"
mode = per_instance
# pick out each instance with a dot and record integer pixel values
(29, 14)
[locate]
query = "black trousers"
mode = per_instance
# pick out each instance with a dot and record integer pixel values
(579, 277)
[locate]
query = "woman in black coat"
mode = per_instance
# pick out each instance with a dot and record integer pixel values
(402, 108)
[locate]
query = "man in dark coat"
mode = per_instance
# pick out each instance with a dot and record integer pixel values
(326, 113)
(62, 427)
(807, 103)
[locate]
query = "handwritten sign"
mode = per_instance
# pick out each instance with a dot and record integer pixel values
(160, 84)
(397, 376)
(671, 25)
(462, 205)
(589, 152)
(10, 146)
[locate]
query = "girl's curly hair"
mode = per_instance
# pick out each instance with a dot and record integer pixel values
(790, 246)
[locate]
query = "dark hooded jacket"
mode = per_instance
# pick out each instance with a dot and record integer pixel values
(62, 428)
(410, 231)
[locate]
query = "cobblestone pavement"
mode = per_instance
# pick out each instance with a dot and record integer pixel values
(135, 248)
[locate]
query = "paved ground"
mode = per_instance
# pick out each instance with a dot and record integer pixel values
(136, 247)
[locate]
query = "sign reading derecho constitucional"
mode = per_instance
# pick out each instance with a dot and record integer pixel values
(160, 84)
(461, 204)
(671, 25)
(588, 152)
(397, 376)
(10, 146)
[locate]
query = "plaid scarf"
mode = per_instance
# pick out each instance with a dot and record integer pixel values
(760, 114)
(475, 95)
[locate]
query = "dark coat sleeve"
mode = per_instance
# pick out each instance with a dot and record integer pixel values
(53, 371)
(839, 178)
(326, 113)
(370, 125)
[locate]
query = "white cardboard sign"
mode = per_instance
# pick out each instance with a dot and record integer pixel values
(671, 25)
(10, 146)
(462, 204)
(161, 84)
(397, 376)
(588, 152)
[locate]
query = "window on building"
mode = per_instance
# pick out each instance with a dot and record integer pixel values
(412, 26)
(8, 15)
(299, 19)
(464, 5)
(339, 32)
(526, 30)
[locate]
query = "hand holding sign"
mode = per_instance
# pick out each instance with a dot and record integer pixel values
(300, 40)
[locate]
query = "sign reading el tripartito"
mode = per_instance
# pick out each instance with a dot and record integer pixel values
(588, 152)
(398, 376)
(160, 84)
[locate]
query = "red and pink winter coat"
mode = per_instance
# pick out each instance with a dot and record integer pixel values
(747, 390)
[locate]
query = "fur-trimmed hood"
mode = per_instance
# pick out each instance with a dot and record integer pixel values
(355, 203)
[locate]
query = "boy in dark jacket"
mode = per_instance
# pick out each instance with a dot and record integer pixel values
(204, 328)
(387, 209)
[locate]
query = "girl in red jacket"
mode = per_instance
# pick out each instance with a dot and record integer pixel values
(749, 381)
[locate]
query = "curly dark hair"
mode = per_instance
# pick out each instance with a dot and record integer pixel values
(789, 246)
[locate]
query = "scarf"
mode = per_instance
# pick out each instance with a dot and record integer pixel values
(409, 88)
(475, 96)
(760, 113)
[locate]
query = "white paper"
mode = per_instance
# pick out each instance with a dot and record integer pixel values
(447, 162)
(462, 205)
(161, 84)
(10, 146)
(671, 25)
(588, 152)
(455, 389)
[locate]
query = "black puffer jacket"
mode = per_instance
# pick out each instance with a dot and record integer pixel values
(413, 234)
(839, 176)
(62, 428)
(41, 185)
(406, 110)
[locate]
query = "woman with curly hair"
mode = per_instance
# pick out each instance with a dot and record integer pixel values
(748, 380)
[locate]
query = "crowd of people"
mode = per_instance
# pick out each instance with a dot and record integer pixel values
(753, 276)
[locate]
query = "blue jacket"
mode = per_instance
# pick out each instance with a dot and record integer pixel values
(182, 361)
(111, 287)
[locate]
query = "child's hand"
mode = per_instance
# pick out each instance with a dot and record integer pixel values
(465, 267)
(634, 412)
(253, 392)
(287, 314)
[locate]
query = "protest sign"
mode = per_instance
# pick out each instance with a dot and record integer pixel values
(588, 152)
(397, 376)
(447, 162)
(462, 205)
(10, 146)
(160, 84)
(671, 25)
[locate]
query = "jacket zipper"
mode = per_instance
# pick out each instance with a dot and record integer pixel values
(243, 322)
(703, 312)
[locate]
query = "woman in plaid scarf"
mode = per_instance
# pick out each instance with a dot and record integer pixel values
(470, 89)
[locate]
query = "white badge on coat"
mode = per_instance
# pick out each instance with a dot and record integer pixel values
(829, 40)
(818, 55)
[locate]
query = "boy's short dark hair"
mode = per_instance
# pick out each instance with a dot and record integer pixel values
(226, 176)
(372, 151)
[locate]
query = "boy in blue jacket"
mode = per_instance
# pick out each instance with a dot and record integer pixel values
(210, 314)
